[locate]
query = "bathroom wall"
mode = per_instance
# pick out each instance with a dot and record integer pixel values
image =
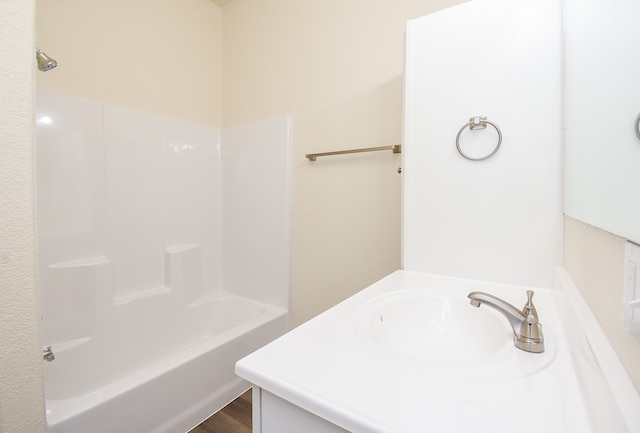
(21, 408)
(498, 219)
(595, 260)
(336, 68)
(160, 57)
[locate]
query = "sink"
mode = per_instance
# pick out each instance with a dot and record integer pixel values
(434, 328)
(443, 330)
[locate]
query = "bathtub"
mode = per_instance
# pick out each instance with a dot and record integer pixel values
(164, 374)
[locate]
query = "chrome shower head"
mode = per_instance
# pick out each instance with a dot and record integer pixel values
(45, 62)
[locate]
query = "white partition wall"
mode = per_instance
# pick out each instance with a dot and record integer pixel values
(498, 219)
(255, 205)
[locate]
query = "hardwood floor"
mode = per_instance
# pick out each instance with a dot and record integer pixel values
(233, 418)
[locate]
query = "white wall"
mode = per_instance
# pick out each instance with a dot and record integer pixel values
(499, 219)
(21, 407)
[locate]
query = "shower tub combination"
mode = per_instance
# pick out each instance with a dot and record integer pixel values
(160, 263)
(164, 373)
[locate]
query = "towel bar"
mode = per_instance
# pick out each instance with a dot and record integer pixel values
(397, 148)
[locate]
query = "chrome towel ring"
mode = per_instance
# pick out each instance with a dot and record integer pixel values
(479, 122)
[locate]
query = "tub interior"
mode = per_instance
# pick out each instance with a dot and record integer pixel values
(169, 389)
(132, 344)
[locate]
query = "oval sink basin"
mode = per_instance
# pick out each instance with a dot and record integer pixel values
(444, 330)
(432, 328)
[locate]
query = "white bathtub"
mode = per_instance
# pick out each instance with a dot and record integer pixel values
(163, 374)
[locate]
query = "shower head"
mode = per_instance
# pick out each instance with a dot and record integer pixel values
(45, 62)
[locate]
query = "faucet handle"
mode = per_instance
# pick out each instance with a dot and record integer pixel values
(530, 336)
(529, 308)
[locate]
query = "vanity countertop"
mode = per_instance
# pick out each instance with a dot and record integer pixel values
(329, 368)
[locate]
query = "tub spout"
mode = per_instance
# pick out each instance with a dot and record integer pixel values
(527, 330)
(47, 354)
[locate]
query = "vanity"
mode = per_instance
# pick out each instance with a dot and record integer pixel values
(411, 354)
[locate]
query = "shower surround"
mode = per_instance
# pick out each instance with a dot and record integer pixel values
(163, 252)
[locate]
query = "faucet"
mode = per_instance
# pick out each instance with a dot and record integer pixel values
(47, 354)
(527, 330)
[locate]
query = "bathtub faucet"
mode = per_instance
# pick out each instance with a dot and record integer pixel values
(47, 354)
(527, 330)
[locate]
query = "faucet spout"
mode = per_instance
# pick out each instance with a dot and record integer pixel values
(512, 314)
(527, 330)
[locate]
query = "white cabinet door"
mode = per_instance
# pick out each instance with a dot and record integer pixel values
(280, 416)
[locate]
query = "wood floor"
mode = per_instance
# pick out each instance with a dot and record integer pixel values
(233, 418)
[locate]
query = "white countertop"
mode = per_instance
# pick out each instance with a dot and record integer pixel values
(326, 367)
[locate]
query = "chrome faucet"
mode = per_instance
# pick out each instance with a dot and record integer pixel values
(527, 330)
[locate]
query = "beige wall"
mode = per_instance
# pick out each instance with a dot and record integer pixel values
(336, 67)
(595, 260)
(21, 406)
(157, 56)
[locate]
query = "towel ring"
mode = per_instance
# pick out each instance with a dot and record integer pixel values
(479, 122)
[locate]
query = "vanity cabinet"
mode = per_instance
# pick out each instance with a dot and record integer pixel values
(272, 414)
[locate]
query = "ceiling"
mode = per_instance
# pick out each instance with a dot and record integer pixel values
(221, 2)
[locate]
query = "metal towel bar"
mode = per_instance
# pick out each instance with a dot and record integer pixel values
(396, 148)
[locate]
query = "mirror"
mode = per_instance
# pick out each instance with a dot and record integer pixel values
(602, 106)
